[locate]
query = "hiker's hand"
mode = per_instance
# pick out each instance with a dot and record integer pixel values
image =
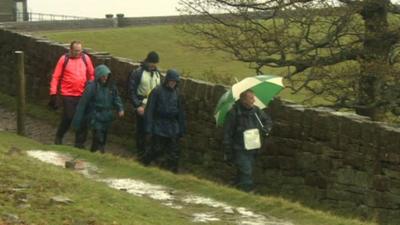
(265, 132)
(53, 102)
(121, 113)
(140, 110)
(228, 159)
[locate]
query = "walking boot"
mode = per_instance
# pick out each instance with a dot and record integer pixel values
(79, 145)
(58, 141)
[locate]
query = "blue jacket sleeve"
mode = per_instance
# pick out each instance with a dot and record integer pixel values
(117, 102)
(150, 110)
(229, 129)
(266, 121)
(181, 116)
(134, 81)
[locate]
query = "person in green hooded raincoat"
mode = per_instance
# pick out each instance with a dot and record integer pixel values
(97, 105)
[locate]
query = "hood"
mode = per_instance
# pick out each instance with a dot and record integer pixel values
(172, 75)
(101, 70)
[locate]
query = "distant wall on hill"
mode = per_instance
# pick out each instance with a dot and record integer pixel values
(315, 155)
(7, 10)
(118, 21)
(95, 23)
(60, 24)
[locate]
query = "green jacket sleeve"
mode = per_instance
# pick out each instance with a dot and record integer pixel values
(117, 102)
(82, 105)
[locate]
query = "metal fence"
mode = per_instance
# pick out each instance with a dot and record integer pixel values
(31, 16)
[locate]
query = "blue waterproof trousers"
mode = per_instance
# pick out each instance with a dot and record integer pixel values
(244, 161)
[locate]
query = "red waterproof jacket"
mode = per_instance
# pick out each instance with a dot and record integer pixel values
(73, 79)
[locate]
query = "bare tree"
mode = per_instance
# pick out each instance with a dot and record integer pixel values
(335, 49)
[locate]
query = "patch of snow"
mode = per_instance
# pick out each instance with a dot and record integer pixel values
(140, 188)
(204, 217)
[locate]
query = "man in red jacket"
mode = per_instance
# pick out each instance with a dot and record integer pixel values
(72, 72)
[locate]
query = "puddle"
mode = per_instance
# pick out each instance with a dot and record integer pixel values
(216, 210)
(193, 199)
(140, 188)
(204, 217)
(49, 157)
(58, 159)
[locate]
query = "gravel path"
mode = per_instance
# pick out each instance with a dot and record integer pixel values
(43, 132)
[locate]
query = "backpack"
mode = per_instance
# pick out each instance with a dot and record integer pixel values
(66, 60)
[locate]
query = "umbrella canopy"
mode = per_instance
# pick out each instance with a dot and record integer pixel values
(265, 87)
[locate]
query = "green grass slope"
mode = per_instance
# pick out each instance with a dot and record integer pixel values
(27, 185)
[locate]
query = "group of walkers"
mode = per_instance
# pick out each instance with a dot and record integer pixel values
(90, 100)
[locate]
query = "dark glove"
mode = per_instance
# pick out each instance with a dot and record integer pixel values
(53, 104)
(265, 132)
(227, 157)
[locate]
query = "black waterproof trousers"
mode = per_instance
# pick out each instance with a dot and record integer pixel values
(164, 145)
(99, 140)
(140, 137)
(69, 106)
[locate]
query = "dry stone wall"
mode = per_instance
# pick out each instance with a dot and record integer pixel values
(60, 24)
(118, 21)
(320, 157)
(96, 23)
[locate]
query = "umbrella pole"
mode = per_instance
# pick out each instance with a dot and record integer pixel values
(258, 119)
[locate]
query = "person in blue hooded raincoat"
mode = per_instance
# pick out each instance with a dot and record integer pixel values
(165, 122)
(98, 104)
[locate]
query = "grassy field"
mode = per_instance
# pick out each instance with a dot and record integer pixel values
(217, 67)
(135, 42)
(26, 194)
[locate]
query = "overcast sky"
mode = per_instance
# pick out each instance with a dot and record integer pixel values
(98, 8)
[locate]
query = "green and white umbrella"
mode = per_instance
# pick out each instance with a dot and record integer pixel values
(265, 87)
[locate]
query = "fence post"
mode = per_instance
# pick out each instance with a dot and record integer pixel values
(21, 92)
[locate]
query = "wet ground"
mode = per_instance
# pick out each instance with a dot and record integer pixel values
(202, 209)
(44, 133)
(199, 209)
